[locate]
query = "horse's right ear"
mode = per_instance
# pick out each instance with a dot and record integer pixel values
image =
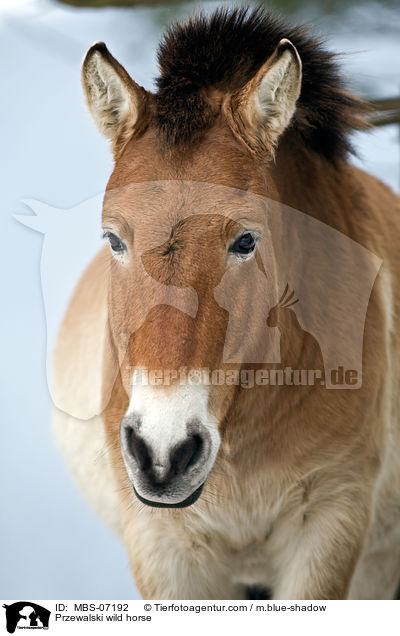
(116, 103)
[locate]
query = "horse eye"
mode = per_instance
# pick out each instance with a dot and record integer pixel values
(116, 244)
(244, 244)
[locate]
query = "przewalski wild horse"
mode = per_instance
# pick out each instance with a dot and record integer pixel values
(215, 487)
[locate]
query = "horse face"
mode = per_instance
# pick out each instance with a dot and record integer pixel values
(185, 256)
(185, 263)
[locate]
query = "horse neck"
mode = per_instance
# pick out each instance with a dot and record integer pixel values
(313, 185)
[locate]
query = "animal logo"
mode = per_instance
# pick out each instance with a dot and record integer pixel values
(298, 347)
(25, 614)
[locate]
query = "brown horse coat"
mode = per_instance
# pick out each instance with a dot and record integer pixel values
(302, 483)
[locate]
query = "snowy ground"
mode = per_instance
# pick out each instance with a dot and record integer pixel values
(52, 545)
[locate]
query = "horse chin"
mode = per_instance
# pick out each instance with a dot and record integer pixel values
(181, 504)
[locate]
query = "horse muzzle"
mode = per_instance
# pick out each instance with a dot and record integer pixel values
(168, 451)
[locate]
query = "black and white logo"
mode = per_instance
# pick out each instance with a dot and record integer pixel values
(26, 615)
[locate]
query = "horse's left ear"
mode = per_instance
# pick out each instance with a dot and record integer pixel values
(263, 108)
(116, 103)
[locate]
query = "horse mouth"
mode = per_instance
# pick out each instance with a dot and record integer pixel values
(180, 504)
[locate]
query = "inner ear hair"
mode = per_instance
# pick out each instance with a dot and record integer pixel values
(117, 104)
(279, 86)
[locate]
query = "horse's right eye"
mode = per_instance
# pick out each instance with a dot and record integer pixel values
(116, 244)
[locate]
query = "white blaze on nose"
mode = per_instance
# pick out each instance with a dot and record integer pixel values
(164, 414)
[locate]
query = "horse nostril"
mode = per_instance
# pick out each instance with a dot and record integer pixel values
(139, 450)
(186, 454)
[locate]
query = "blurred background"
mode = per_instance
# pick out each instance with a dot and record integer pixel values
(52, 545)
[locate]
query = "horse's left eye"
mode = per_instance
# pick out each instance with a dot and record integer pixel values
(244, 244)
(116, 244)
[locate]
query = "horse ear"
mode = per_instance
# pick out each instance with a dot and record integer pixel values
(263, 108)
(116, 103)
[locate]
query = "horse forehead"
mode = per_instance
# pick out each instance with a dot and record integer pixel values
(173, 204)
(218, 158)
(184, 192)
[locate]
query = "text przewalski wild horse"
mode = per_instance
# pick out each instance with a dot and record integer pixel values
(215, 488)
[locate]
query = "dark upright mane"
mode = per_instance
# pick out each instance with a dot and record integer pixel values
(224, 51)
